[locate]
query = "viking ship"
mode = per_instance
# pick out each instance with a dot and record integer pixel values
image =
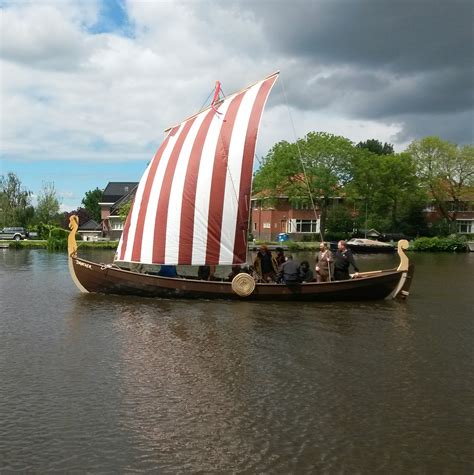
(191, 208)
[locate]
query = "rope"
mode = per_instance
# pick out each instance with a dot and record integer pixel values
(301, 157)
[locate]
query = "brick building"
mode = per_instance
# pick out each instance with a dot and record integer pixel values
(115, 192)
(275, 215)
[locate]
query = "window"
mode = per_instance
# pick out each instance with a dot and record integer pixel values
(267, 225)
(465, 226)
(303, 226)
(254, 226)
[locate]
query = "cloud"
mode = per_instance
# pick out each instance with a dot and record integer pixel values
(80, 84)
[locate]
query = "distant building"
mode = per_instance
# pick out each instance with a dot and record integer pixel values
(274, 215)
(90, 231)
(115, 193)
(462, 212)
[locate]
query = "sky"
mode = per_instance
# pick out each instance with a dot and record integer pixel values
(88, 87)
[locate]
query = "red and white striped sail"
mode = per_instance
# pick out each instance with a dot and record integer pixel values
(192, 203)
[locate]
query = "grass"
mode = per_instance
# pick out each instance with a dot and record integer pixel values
(43, 244)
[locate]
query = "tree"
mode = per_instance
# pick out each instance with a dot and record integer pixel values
(81, 213)
(47, 208)
(91, 202)
(375, 146)
(386, 187)
(445, 169)
(15, 202)
(312, 169)
(124, 210)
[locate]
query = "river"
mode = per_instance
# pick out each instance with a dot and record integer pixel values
(108, 384)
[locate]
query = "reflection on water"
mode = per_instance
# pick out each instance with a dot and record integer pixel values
(112, 384)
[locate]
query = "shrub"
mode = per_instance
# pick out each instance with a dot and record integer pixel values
(57, 240)
(440, 244)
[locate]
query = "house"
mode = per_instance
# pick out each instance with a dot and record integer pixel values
(462, 212)
(274, 215)
(115, 193)
(90, 231)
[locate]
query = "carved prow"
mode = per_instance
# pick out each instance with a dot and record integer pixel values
(402, 247)
(72, 251)
(71, 240)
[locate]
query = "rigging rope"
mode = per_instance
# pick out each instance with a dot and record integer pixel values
(282, 82)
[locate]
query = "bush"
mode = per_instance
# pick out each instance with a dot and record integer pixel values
(440, 244)
(57, 240)
(310, 237)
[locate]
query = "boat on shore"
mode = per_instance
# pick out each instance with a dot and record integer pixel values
(369, 246)
(191, 208)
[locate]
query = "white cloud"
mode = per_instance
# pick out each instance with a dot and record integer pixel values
(67, 93)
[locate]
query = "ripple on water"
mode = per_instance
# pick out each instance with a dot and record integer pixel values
(112, 384)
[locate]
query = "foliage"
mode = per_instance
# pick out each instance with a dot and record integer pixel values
(25, 244)
(47, 208)
(337, 236)
(15, 202)
(375, 146)
(340, 220)
(57, 240)
(438, 244)
(91, 202)
(445, 169)
(124, 210)
(98, 245)
(80, 212)
(387, 192)
(317, 165)
(43, 230)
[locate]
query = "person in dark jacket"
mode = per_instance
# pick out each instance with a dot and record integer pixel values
(290, 271)
(265, 265)
(306, 274)
(342, 261)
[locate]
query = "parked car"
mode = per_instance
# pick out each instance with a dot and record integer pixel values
(16, 234)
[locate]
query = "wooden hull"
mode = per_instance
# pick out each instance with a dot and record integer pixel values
(99, 278)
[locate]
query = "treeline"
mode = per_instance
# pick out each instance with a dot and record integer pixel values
(17, 208)
(377, 188)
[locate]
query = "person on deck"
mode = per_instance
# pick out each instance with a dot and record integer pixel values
(306, 274)
(235, 271)
(280, 256)
(290, 271)
(324, 259)
(343, 260)
(206, 272)
(265, 265)
(168, 271)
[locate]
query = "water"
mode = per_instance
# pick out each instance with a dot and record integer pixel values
(112, 384)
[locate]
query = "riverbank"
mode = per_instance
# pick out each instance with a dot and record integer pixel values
(423, 244)
(43, 244)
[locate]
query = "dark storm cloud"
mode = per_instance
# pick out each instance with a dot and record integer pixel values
(403, 36)
(408, 60)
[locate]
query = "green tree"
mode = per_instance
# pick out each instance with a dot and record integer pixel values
(91, 202)
(15, 202)
(124, 210)
(445, 170)
(386, 190)
(375, 146)
(47, 209)
(314, 168)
